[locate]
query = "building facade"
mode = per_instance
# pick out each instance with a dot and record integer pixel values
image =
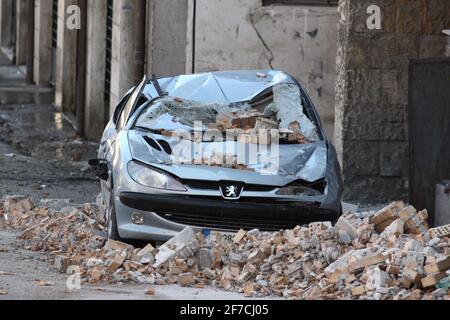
(357, 77)
(126, 39)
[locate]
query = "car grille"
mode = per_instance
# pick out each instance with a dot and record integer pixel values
(229, 222)
(247, 213)
(211, 185)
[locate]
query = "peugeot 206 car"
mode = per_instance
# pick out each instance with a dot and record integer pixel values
(219, 152)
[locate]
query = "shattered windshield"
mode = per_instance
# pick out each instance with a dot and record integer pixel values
(279, 109)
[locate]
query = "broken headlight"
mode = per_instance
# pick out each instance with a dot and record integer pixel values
(151, 178)
(304, 189)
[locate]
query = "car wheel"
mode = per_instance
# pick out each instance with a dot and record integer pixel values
(113, 232)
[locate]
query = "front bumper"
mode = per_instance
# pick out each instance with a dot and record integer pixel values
(165, 215)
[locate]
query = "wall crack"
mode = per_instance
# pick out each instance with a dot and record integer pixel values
(268, 52)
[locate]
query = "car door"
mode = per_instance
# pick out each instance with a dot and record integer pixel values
(130, 106)
(122, 113)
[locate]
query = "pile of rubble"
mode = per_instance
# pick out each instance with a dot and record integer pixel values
(390, 254)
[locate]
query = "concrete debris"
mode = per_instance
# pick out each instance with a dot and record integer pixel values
(55, 204)
(379, 256)
(43, 283)
(183, 244)
(150, 291)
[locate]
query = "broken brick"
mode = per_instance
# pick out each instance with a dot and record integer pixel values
(433, 279)
(186, 279)
(117, 262)
(442, 265)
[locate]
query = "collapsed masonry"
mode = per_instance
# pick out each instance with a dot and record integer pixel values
(390, 254)
(250, 136)
(280, 109)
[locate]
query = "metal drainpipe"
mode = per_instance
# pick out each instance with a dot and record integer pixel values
(140, 24)
(30, 41)
(80, 101)
(194, 31)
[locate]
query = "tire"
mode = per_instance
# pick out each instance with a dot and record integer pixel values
(112, 230)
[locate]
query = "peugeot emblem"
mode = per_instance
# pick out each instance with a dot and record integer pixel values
(231, 191)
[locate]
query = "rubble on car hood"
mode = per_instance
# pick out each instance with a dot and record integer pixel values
(290, 163)
(390, 254)
(253, 121)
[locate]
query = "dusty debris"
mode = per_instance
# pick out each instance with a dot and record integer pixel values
(385, 255)
(3, 293)
(43, 283)
(150, 291)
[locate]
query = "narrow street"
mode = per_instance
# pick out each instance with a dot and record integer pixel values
(249, 150)
(41, 157)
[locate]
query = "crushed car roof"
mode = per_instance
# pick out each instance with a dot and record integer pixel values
(220, 87)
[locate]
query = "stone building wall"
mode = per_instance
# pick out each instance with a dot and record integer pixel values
(298, 39)
(372, 90)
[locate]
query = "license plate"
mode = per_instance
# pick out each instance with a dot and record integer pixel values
(225, 236)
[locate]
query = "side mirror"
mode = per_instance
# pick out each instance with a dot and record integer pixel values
(100, 167)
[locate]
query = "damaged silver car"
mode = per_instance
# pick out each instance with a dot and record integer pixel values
(217, 151)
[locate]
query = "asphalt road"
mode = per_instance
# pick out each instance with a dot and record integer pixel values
(41, 157)
(21, 270)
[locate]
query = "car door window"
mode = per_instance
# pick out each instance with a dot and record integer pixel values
(129, 106)
(120, 106)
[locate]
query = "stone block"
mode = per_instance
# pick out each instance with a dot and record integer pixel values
(394, 159)
(431, 46)
(390, 86)
(409, 16)
(362, 158)
(366, 86)
(363, 188)
(436, 16)
(394, 122)
(362, 122)
(389, 15)
(382, 50)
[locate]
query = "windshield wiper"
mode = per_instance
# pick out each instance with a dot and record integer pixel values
(157, 86)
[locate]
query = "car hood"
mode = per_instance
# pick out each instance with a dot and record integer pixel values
(296, 162)
(219, 87)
